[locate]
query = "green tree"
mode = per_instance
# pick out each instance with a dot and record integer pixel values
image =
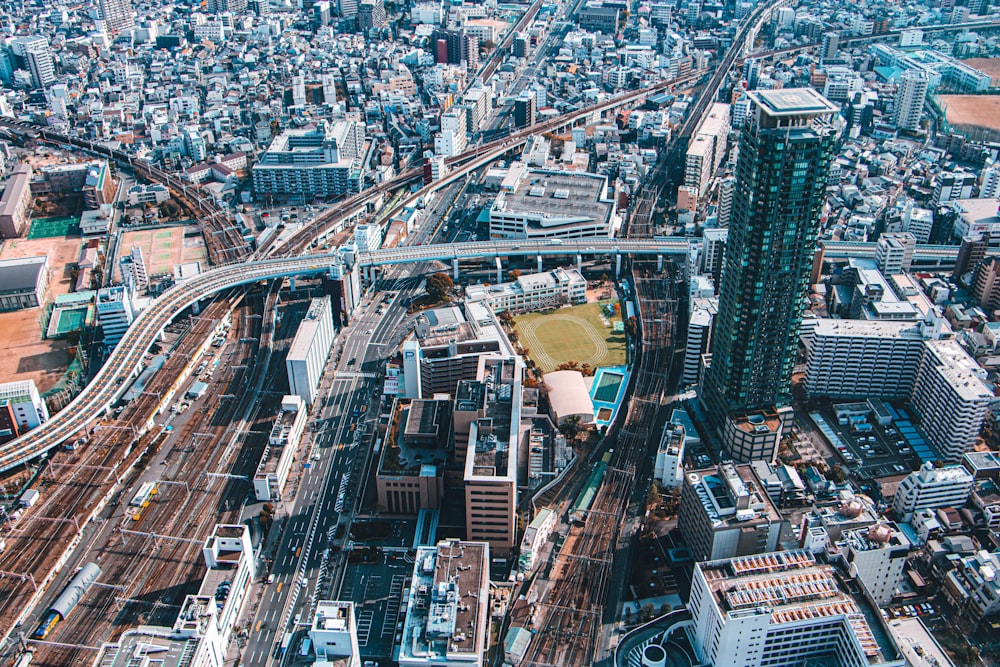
(571, 427)
(439, 287)
(631, 327)
(513, 274)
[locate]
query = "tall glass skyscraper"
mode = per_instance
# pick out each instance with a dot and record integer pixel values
(785, 149)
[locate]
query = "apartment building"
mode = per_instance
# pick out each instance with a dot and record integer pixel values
(334, 633)
(707, 148)
(723, 514)
(15, 203)
(276, 461)
(26, 406)
(777, 609)
(321, 161)
(894, 252)
(973, 586)
(932, 488)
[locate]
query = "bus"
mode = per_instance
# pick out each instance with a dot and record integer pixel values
(286, 639)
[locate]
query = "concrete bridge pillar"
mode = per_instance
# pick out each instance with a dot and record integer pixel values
(454, 269)
(499, 270)
(618, 265)
(291, 283)
(579, 262)
(659, 262)
(539, 264)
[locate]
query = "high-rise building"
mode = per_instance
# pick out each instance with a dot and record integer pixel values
(118, 15)
(38, 59)
(371, 14)
(831, 42)
(455, 47)
(909, 103)
(309, 350)
(932, 488)
(781, 174)
(524, 109)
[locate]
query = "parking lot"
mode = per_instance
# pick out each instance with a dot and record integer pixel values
(868, 448)
(378, 590)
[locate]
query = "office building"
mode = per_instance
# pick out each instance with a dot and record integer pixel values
(668, 468)
(951, 398)
(699, 338)
(334, 634)
(118, 15)
(447, 610)
(418, 447)
(24, 282)
(26, 405)
(780, 609)
(371, 14)
(368, 237)
(115, 311)
(785, 151)
(876, 557)
(753, 435)
(537, 204)
(599, 17)
(15, 203)
(491, 454)
(455, 47)
(533, 291)
(831, 44)
(99, 187)
(909, 102)
(723, 514)
(276, 461)
(321, 161)
(932, 488)
(309, 350)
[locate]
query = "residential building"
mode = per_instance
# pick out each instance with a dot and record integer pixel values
(525, 109)
(785, 151)
(668, 469)
(894, 252)
(118, 15)
(282, 443)
(723, 514)
(371, 14)
(778, 609)
(533, 291)
(952, 186)
(985, 287)
(876, 557)
(932, 488)
(322, 161)
(99, 187)
(334, 633)
(26, 406)
(707, 148)
(535, 536)
(973, 585)
(309, 350)
(37, 54)
(536, 204)
(447, 608)
(699, 338)
(455, 47)
(24, 282)
(368, 237)
(15, 203)
(909, 102)
(951, 398)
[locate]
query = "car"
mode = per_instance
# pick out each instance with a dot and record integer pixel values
(351, 362)
(270, 579)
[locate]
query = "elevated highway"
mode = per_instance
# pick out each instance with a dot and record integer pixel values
(112, 379)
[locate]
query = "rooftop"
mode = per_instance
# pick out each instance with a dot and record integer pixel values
(495, 435)
(558, 197)
(21, 274)
(792, 102)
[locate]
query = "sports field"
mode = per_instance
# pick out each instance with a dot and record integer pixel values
(584, 334)
(46, 228)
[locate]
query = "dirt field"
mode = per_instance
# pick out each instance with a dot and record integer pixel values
(162, 249)
(23, 353)
(989, 66)
(972, 111)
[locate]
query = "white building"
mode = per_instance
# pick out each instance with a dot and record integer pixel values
(973, 584)
(707, 148)
(115, 312)
(894, 252)
(368, 237)
(309, 350)
(447, 610)
(321, 161)
(26, 405)
(453, 137)
(535, 536)
(537, 204)
(699, 337)
(534, 291)
(875, 557)
(932, 488)
(668, 469)
(779, 608)
(334, 633)
(909, 102)
(951, 397)
(276, 461)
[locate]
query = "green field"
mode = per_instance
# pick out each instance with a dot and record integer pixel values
(46, 228)
(576, 333)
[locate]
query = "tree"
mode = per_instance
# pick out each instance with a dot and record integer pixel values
(439, 287)
(513, 274)
(571, 427)
(631, 327)
(653, 497)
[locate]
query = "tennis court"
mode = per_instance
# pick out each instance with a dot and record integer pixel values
(47, 228)
(66, 319)
(607, 386)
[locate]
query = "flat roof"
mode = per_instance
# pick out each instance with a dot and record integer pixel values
(20, 179)
(21, 274)
(792, 102)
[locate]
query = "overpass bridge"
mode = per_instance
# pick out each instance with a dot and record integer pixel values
(125, 360)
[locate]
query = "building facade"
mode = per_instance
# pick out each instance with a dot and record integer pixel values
(322, 161)
(309, 350)
(932, 488)
(785, 151)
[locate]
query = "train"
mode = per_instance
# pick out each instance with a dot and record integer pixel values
(68, 599)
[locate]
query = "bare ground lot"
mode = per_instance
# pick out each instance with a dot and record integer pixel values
(23, 353)
(972, 110)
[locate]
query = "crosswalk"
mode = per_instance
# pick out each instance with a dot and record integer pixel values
(364, 627)
(393, 604)
(351, 375)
